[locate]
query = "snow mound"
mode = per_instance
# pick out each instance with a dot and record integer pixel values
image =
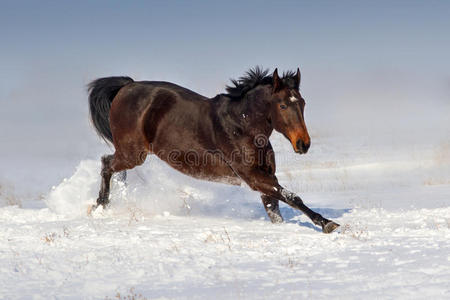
(153, 189)
(74, 195)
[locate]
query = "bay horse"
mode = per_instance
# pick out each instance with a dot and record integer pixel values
(225, 138)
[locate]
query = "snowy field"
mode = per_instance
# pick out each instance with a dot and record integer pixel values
(167, 236)
(376, 80)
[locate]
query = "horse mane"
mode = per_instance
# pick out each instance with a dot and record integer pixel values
(254, 77)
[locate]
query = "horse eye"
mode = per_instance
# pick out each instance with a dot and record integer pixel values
(283, 106)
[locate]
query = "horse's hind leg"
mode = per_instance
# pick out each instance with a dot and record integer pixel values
(123, 176)
(112, 164)
(103, 196)
(272, 208)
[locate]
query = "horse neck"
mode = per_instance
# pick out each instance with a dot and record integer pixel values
(254, 111)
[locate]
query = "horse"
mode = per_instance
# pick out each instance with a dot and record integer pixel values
(224, 138)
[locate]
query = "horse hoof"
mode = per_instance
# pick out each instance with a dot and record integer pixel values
(275, 218)
(92, 208)
(330, 227)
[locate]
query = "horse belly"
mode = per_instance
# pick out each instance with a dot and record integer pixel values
(200, 165)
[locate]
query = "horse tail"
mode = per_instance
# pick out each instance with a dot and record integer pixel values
(101, 94)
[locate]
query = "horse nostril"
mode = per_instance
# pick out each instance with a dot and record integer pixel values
(302, 147)
(307, 146)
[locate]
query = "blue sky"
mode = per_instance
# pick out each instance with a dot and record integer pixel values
(363, 59)
(196, 41)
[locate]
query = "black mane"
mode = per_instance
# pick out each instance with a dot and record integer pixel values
(254, 77)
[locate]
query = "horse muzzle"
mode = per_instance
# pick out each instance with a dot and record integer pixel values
(301, 147)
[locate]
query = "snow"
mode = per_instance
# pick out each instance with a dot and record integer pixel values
(168, 236)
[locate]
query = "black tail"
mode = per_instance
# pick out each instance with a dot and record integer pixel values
(101, 94)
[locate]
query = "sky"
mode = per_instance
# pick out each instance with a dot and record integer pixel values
(370, 66)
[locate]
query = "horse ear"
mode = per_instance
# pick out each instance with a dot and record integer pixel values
(276, 81)
(298, 76)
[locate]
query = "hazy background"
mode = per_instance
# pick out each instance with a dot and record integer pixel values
(372, 72)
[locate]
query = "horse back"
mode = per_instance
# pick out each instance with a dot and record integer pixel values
(164, 114)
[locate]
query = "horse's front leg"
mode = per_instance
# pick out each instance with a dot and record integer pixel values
(272, 208)
(268, 184)
(295, 201)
